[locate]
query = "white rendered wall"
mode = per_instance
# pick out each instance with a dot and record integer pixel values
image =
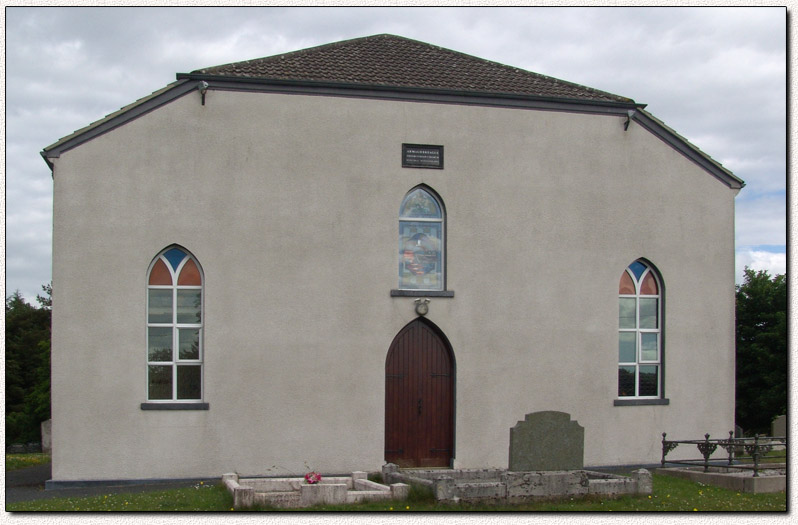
(290, 204)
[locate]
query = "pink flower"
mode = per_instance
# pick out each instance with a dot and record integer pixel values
(312, 477)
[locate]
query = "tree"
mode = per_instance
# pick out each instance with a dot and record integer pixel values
(46, 301)
(27, 368)
(761, 350)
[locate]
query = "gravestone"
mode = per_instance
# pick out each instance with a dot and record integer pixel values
(778, 428)
(47, 444)
(547, 440)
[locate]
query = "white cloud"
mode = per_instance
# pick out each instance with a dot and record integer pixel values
(761, 220)
(774, 263)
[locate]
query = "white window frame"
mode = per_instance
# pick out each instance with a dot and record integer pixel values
(638, 331)
(175, 326)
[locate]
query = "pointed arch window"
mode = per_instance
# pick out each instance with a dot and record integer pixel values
(174, 328)
(640, 333)
(421, 241)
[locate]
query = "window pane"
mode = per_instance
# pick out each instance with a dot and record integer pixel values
(626, 286)
(175, 256)
(189, 343)
(188, 382)
(648, 313)
(637, 268)
(190, 275)
(626, 313)
(420, 255)
(160, 382)
(626, 381)
(627, 347)
(649, 381)
(160, 274)
(159, 343)
(189, 306)
(649, 286)
(160, 306)
(648, 347)
(420, 204)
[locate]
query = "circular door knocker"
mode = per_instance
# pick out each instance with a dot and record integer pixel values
(422, 306)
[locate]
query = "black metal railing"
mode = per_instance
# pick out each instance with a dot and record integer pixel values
(740, 451)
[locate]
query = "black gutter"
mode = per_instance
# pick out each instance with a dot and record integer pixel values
(688, 150)
(346, 86)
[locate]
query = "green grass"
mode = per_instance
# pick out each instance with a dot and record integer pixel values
(774, 456)
(200, 497)
(18, 461)
(669, 494)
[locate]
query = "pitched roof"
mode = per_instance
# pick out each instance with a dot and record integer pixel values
(389, 60)
(396, 67)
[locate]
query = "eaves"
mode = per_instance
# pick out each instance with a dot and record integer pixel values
(188, 82)
(118, 118)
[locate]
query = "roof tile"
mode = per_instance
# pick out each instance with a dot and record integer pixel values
(393, 61)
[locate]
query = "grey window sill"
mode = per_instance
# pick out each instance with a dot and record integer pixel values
(175, 406)
(422, 293)
(641, 402)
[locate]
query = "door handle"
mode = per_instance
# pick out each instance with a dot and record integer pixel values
(419, 406)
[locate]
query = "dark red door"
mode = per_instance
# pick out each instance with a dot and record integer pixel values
(419, 398)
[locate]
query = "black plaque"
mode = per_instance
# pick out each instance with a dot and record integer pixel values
(422, 156)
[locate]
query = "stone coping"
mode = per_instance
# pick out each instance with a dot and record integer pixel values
(298, 493)
(772, 477)
(499, 485)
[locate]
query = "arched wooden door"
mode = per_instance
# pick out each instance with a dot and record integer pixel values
(419, 398)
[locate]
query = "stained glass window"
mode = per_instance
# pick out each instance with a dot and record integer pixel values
(639, 332)
(627, 285)
(418, 204)
(190, 275)
(174, 327)
(421, 242)
(160, 274)
(649, 286)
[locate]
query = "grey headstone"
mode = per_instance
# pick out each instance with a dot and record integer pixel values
(444, 488)
(389, 474)
(778, 428)
(47, 445)
(547, 440)
(644, 481)
(738, 431)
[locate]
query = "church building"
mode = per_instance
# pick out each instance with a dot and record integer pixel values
(380, 250)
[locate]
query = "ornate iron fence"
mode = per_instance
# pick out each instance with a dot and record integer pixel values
(740, 451)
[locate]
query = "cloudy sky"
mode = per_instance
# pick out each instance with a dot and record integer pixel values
(715, 75)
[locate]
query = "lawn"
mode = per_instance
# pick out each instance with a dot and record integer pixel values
(200, 497)
(669, 494)
(18, 461)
